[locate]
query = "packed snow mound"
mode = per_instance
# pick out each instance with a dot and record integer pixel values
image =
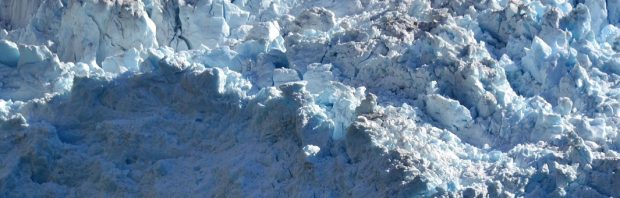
(300, 98)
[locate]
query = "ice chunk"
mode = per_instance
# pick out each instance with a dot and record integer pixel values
(535, 59)
(93, 31)
(311, 150)
(284, 75)
(37, 74)
(10, 53)
(448, 112)
(265, 30)
(30, 54)
(610, 33)
(203, 24)
(598, 14)
(318, 77)
(316, 18)
(565, 106)
(578, 21)
(305, 49)
(128, 61)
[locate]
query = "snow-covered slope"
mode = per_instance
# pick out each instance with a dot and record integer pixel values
(309, 98)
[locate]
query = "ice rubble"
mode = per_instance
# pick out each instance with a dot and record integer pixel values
(310, 98)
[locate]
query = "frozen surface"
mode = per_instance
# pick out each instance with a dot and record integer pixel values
(301, 98)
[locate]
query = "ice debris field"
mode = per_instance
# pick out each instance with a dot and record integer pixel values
(309, 98)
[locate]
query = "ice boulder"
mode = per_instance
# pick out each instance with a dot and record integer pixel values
(284, 75)
(10, 53)
(450, 113)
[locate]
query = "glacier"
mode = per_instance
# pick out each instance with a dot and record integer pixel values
(301, 98)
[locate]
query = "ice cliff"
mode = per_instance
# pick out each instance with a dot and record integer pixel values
(309, 98)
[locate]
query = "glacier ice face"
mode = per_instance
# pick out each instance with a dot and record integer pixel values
(304, 98)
